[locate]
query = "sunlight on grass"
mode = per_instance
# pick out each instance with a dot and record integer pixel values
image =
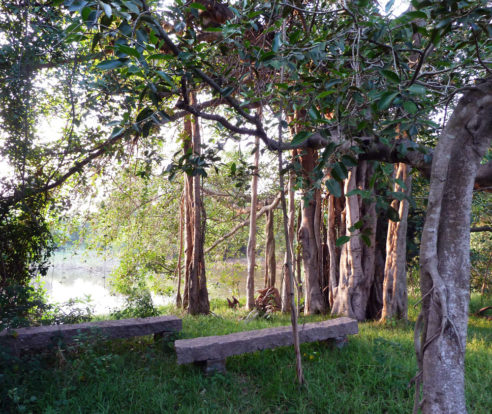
(370, 375)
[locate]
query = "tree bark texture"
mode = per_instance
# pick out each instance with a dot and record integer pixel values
(286, 288)
(441, 329)
(188, 213)
(198, 293)
(357, 260)
(310, 237)
(270, 262)
(179, 299)
(251, 251)
(395, 300)
(375, 304)
(336, 229)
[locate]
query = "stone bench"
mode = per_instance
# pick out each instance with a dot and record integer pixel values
(39, 337)
(211, 351)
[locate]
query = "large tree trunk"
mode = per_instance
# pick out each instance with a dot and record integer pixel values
(270, 262)
(357, 260)
(395, 301)
(375, 304)
(309, 237)
(251, 252)
(441, 328)
(336, 229)
(198, 294)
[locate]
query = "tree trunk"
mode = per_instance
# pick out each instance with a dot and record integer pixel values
(395, 302)
(286, 288)
(441, 328)
(270, 262)
(251, 252)
(375, 304)
(357, 260)
(179, 300)
(293, 310)
(309, 237)
(188, 214)
(198, 294)
(298, 266)
(336, 228)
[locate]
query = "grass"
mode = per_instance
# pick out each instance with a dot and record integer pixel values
(370, 375)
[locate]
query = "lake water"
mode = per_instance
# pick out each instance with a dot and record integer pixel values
(86, 275)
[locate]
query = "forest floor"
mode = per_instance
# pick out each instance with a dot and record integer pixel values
(370, 375)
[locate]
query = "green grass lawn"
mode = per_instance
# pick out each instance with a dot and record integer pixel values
(370, 375)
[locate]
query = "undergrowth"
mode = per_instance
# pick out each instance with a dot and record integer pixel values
(370, 375)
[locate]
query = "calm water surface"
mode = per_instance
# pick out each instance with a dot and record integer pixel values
(86, 275)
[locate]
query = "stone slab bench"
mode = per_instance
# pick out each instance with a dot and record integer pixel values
(39, 337)
(211, 351)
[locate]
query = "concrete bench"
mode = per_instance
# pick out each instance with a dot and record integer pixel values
(39, 337)
(211, 351)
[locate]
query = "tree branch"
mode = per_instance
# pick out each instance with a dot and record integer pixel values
(244, 224)
(480, 229)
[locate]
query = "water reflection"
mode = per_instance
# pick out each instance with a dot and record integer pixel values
(85, 275)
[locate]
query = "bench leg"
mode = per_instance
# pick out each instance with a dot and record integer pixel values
(338, 342)
(211, 366)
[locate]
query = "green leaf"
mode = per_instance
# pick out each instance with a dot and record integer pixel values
(300, 137)
(436, 37)
(342, 240)
(324, 94)
(86, 11)
(349, 161)
(416, 89)
(227, 91)
(365, 194)
(128, 50)
(333, 187)
(393, 214)
(410, 107)
(386, 100)
(339, 171)
(267, 56)
(198, 6)
(117, 132)
(132, 7)
(77, 5)
(390, 76)
(160, 56)
(401, 183)
(365, 238)
(213, 29)
(110, 64)
(398, 195)
(166, 77)
(144, 114)
(357, 226)
(416, 15)
(276, 43)
(107, 8)
(443, 23)
(314, 114)
(389, 5)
